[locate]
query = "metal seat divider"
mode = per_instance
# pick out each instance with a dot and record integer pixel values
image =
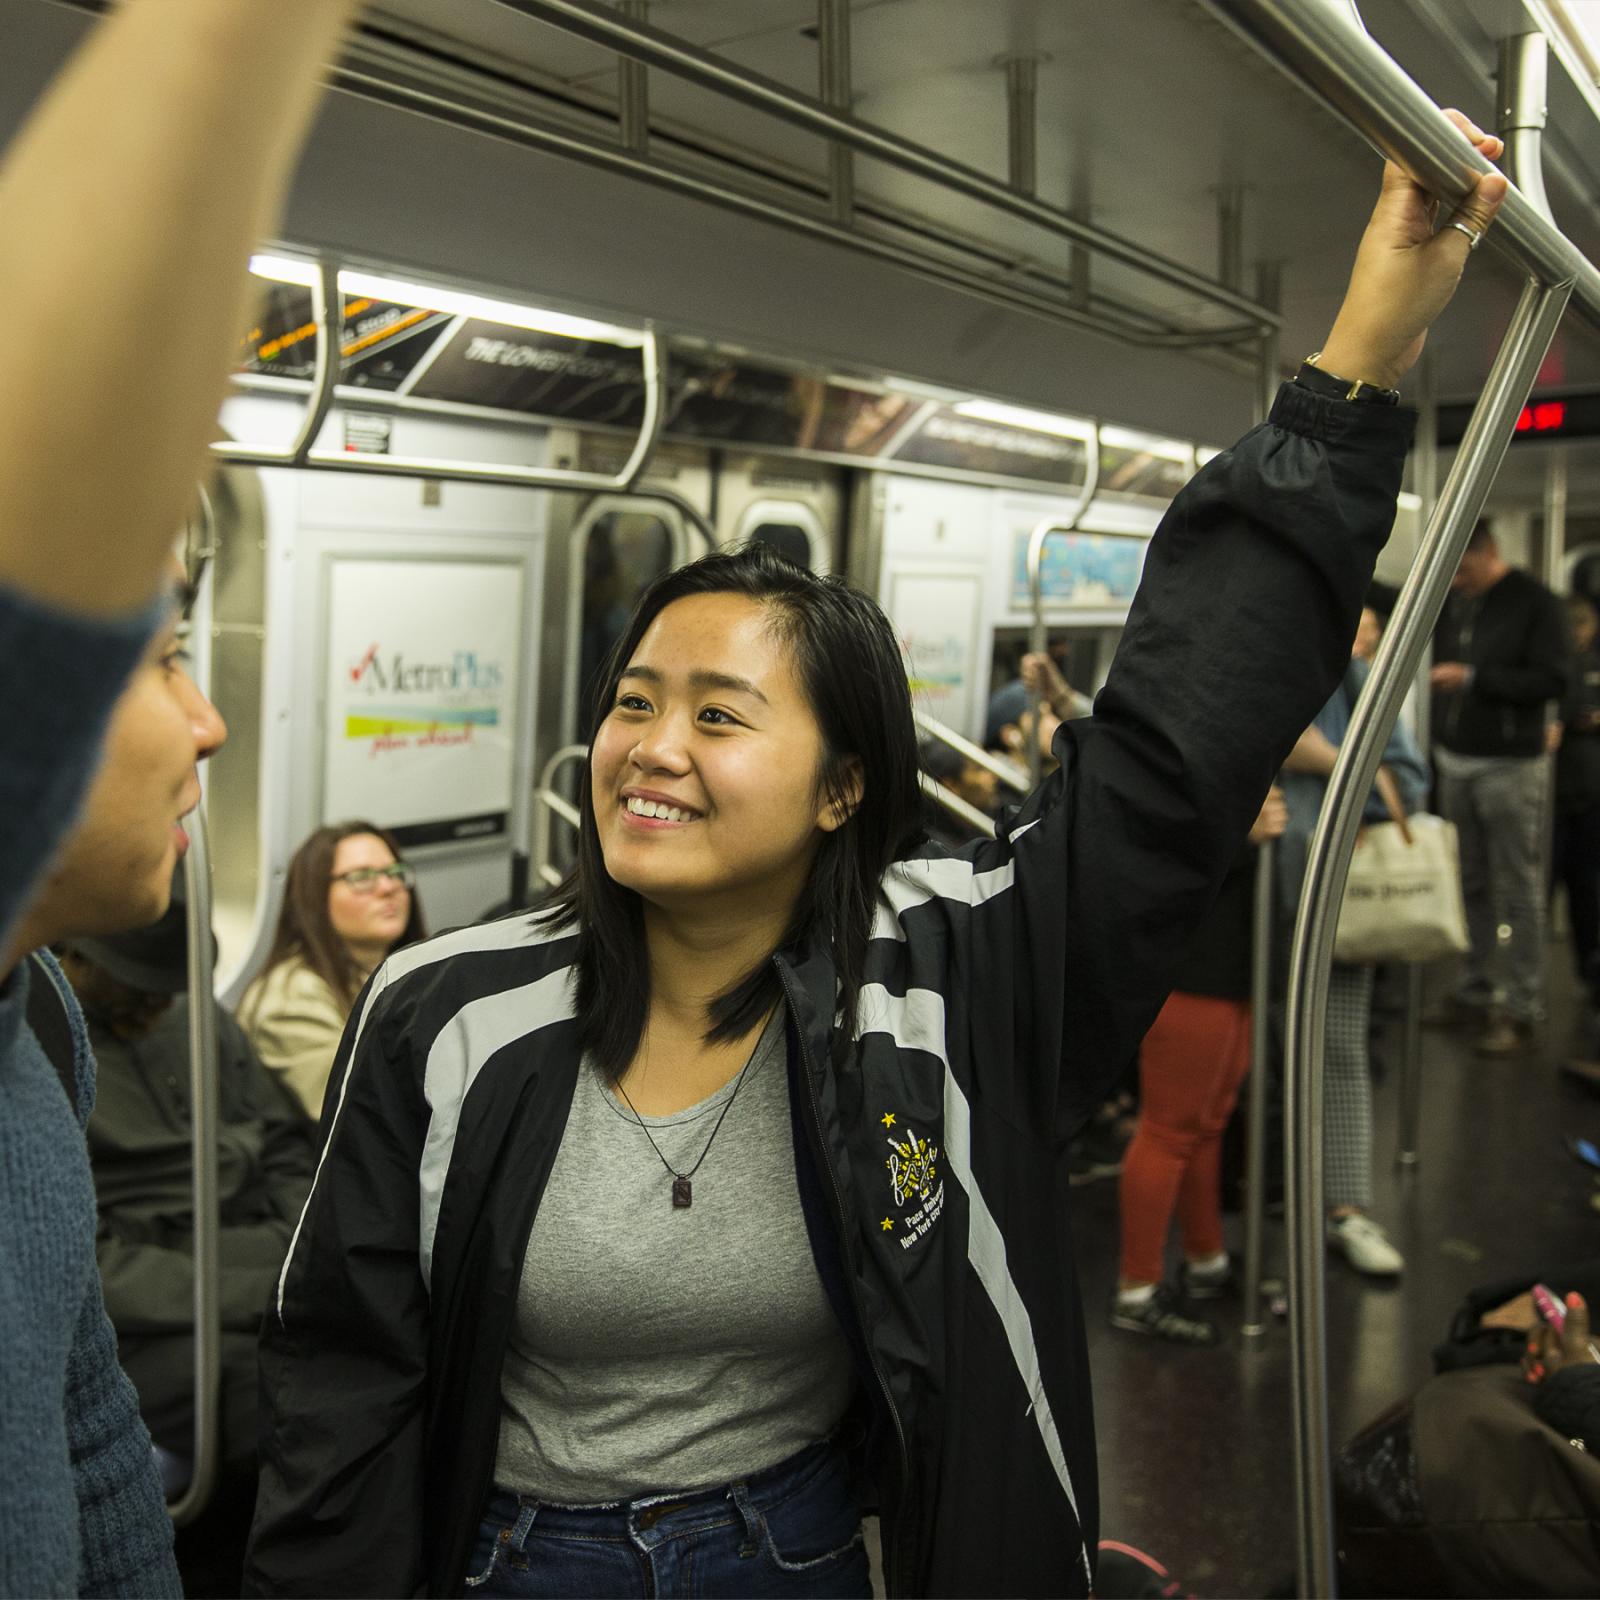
(548, 802)
(1003, 770)
(956, 806)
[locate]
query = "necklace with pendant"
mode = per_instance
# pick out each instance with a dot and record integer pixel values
(682, 1182)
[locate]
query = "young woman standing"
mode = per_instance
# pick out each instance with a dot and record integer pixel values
(658, 1234)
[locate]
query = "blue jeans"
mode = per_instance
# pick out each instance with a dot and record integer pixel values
(793, 1530)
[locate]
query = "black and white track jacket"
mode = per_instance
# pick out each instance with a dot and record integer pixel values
(1008, 985)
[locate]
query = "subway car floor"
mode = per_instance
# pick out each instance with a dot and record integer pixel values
(1195, 1445)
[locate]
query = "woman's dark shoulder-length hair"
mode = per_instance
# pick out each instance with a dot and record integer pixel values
(305, 931)
(849, 665)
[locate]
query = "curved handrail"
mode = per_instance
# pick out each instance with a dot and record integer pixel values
(1325, 48)
(203, 1147)
(301, 451)
(1328, 863)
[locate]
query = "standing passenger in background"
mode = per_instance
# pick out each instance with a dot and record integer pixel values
(348, 902)
(1191, 1064)
(1500, 656)
(1347, 1113)
(132, 198)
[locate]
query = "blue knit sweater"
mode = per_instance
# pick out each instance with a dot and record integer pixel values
(81, 1508)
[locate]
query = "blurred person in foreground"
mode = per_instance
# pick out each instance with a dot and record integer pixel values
(133, 990)
(132, 197)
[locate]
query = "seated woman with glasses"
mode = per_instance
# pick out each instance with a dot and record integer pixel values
(349, 901)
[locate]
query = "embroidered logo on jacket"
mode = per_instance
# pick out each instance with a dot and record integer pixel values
(913, 1167)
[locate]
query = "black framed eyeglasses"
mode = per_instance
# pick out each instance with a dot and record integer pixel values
(363, 880)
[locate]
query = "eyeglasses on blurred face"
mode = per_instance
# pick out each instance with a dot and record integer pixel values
(365, 880)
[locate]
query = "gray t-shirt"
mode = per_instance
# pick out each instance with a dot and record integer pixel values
(658, 1348)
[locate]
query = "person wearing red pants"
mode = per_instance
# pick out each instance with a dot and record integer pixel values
(1191, 1064)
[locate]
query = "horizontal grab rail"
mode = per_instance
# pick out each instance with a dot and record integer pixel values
(639, 41)
(1324, 47)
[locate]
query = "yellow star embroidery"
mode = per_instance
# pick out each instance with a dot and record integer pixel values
(888, 1119)
(888, 1224)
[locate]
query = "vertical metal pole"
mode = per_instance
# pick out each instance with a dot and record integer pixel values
(1255, 1181)
(633, 87)
(833, 42)
(1520, 113)
(1521, 109)
(1555, 518)
(1328, 863)
(1269, 291)
(1425, 458)
(1230, 236)
(1080, 262)
(1039, 634)
(1022, 121)
(203, 1148)
(1411, 1068)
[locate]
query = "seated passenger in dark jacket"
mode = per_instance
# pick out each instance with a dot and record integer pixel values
(131, 988)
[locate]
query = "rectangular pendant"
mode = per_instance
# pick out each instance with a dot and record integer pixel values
(682, 1193)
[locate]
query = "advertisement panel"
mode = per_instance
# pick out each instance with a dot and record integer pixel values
(421, 695)
(1097, 570)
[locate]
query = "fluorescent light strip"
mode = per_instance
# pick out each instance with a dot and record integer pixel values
(1021, 417)
(286, 269)
(1148, 444)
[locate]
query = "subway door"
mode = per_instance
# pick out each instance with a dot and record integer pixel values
(795, 506)
(923, 549)
(396, 678)
(605, 551)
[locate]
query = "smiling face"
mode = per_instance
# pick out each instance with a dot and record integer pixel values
(704, 773)
(369, 919)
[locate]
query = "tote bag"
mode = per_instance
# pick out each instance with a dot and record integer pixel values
(1402, 901)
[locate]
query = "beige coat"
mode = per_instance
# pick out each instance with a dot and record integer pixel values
(295, 1022)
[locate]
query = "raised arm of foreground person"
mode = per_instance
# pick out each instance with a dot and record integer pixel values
(130, 200)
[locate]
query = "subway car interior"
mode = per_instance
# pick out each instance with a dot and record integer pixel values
(950, 299)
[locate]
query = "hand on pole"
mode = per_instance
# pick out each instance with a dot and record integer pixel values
(1407, 267)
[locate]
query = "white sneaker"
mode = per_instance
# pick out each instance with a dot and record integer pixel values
(1365, 1245)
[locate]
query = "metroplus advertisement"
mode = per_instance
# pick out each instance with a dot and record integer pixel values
(422, 696)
